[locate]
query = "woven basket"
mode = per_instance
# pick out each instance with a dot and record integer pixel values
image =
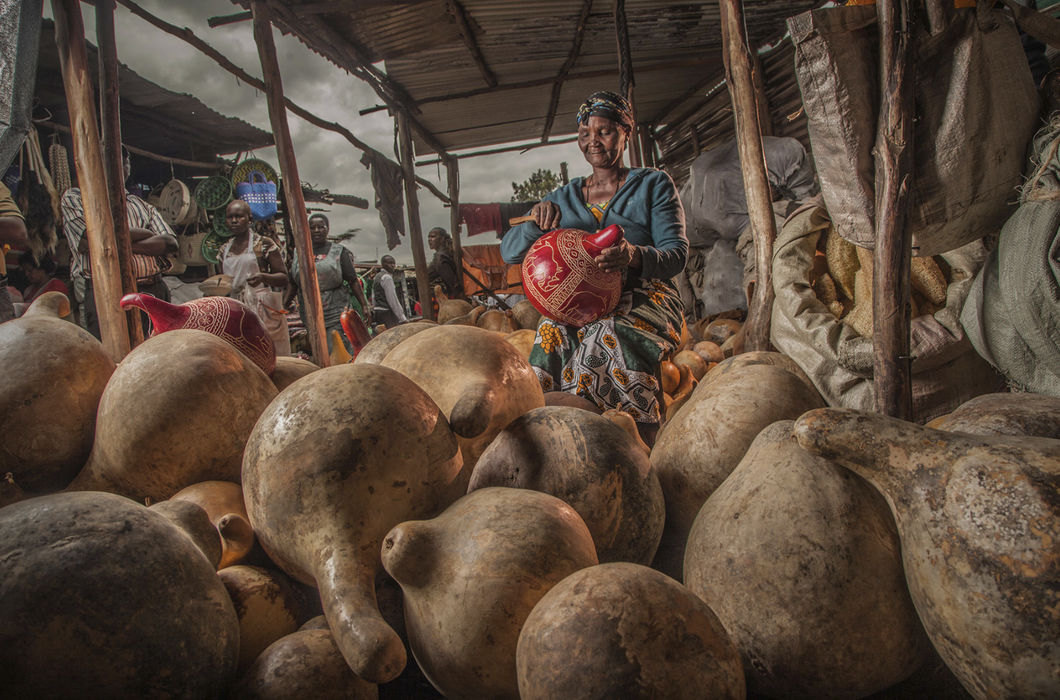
(220, 224)
(214, 192)
(210, 245)
(190, 249)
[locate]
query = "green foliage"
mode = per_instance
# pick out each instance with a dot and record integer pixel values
(535, 187)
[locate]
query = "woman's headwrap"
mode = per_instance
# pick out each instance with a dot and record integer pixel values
(607, 104)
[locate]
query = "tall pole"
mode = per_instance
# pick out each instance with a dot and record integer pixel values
(99, 224)
(423, 284)
(292, 184)
(891, 377)
(452, 165)
(114, 167)
(625, 73)
(738, 73)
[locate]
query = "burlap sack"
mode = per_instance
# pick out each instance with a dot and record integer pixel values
(976, 109)
(946, 370)
(1013, 312)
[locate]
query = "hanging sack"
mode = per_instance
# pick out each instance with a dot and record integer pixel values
(976, 109)
(259, 193)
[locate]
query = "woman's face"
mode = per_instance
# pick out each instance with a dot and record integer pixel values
(434, 240)
(237, 216)
(318, 230)
(602, 141)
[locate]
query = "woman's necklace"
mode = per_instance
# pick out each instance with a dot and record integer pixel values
(590, 183)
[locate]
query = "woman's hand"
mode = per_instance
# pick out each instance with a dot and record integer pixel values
(255, 279)
(546, 215)
(619, 257)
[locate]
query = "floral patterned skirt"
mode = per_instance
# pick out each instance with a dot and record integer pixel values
(614, 362)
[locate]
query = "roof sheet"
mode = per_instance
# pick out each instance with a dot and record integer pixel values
(152, 117)
(674, 46)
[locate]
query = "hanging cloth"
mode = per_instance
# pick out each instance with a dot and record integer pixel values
(388, 182)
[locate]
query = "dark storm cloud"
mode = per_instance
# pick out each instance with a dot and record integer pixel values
(325, 159)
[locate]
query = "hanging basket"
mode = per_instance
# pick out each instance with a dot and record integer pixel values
(220, 224)
(214, 192)
(242, 171)
(210, 246)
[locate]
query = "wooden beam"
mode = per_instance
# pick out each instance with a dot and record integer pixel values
(292, 185)
(625, 73)
(113, 162)
(429, 186)
(503, 149)
(452, 166)
(419, 257)
(738, 69)
(455, 10)
(55, 126)
(572, 56)
(891, 376)
(189, 36)
(937, 14)
(99, 224)
(222, 20)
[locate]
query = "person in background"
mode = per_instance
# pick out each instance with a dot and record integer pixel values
(443, 270)
(257, 272)
(12, 233)
(41, 276)
(334, 264)
(388, 297)
(614, 361)
(152, 240)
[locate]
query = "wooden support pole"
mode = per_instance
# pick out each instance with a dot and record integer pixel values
(625, 71)
(937, 14)
(292, 185)
(765, 120)
(419, 257)
(892, 379)
(99, 224)
(738, 69)
(452, 166)
(113, 163)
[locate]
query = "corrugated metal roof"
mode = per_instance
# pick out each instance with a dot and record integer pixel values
(152, 118)
(674, 45)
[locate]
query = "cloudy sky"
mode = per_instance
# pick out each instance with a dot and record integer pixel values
(325, 159)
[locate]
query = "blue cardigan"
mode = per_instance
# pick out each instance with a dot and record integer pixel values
(646, 207)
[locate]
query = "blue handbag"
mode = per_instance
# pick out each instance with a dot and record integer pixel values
(260, 194)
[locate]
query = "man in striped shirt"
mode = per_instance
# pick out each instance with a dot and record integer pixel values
(152, 239)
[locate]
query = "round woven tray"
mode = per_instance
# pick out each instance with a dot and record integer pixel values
(242, 171)
(219, 223)
(210, 245)
(214, 192)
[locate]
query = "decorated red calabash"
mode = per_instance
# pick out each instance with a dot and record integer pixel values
(225, 317)
(563, 281)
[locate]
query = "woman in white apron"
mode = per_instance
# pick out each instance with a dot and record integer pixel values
(258, 273)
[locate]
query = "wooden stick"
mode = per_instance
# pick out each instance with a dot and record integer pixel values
(738, 69)
(292, 187)
(503, 149)
(99, 224)
(114, 165)
(891, 262)
(452, 166)
(419, 257)
(516, 220)
(625, 70)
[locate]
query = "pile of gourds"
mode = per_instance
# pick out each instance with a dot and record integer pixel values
(423, 520)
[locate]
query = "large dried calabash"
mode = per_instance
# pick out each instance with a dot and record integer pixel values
(562, 279)
(224, 317)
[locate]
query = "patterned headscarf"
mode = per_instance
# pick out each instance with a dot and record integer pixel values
(607, 104)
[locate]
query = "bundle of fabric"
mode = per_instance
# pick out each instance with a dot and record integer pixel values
(1012, 316)
(837, 354)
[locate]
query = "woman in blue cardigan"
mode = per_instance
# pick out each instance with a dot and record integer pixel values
(614, 362)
